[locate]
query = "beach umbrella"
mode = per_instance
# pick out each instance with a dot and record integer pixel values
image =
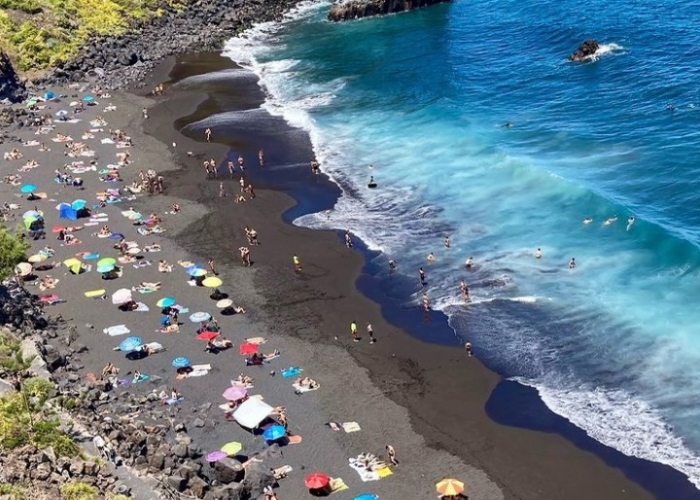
(28, 188)
(121, 296)
(212, 282)
(223, 304)
(181, 362)
(106, 261)
(73, 264)
(38, 257)
(450, 487)
(49, 95)
(232, 448)
(197, 272)
(207, 335)
(215, 456)
(166, 302)
(24, 269)
(198, 317)
(316, 481)
(235, 392)
(105, 268)
(130, 344)
(31, 213)
(366, 496)
(274, 432)
(61, 112)
(78, 204)
(115, 236)
(191, 267)
(88, 98)
(29, 221)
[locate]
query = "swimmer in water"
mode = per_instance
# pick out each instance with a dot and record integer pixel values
(630, 221)
(609, 220)
(587, 220)
(572, 263)
(469, 262)
(538, 254)
(430, 258)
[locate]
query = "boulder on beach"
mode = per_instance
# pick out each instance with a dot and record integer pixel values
(344, 10)
(584, 51)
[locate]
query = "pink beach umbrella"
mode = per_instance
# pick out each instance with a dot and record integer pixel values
(215, 456)
(235, 393)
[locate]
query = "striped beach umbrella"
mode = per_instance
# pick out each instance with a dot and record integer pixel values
(130, 343)
(181, 362)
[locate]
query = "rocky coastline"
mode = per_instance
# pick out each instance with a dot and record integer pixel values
(346, 10)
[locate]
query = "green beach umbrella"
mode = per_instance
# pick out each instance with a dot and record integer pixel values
(107, 261)
(29, 221)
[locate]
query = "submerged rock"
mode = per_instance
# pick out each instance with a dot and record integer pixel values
(584, 51)
(345, 10)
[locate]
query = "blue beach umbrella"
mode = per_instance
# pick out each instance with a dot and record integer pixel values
(131, 343)
(195, 273)
(166, 302)
(105, 268)
(191, 268)
(274, 432)
(78, 204)
(28, 188)
(198, 317)
(88, 98)
(116, 236)
(366, 496)
(181, 362)
(31, 213)
(49, 95)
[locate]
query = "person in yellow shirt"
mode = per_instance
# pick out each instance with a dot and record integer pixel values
(353, 332)
(297, 263)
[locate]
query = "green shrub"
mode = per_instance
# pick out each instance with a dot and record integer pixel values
(11, 355)
(27, 6)
(14, 492)
(78, 491)
(12, 249)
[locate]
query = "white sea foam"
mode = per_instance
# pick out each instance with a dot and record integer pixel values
(604, 49)
(619, 420)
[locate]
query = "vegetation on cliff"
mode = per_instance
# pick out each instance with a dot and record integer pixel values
(12, 250)
(42, 33)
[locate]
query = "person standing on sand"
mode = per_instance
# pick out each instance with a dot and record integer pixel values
(370, 333)
(348, 239)
(261, 157)
(222, 190)
(468, 348)
(242, 184)
(353, 332)
(144, 112)
(241, 164)
(297, 263)
(391, 453)
(231, 169)
(207, 133)
(212, 267)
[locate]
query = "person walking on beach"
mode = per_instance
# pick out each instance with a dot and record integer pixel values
(348, 239)
(144, 112)
(222, 190)
(297, 263)
(353, 332)
(212, 266)
(426, 302)
(231, 168)
(421, 275)
(242, 184)
(391, 453)
(207, 133)
(370, 333)
(261, 157)
(241, 163)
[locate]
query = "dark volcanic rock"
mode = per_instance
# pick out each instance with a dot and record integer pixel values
(587, 49)
(11, 87)
(345, 10)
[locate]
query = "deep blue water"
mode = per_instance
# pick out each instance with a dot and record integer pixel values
(611, 345)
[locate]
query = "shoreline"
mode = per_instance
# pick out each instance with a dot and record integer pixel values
(660, 474)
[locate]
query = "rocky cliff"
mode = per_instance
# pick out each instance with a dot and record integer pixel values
(10, 85)
(355, 9)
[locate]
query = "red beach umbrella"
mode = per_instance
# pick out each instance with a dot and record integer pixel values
(316, 481)
(206, 335)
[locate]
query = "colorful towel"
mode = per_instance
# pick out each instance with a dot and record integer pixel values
(247, 349)
(292, 371)
(337, 484)
(95, 293)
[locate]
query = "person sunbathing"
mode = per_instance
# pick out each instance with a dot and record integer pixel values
(164, 267)
(175, 208)
(13, 155)
(244, 380)
(137, 376)
(145, 286)
(104, 232)
(47, 283)
(255, 360)
(307, 383)
(170, 328)
(153, 247)
(43, 147)
(70, 239)
(108, 370)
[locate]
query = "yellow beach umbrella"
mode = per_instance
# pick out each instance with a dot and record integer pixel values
(72, 264)
(24, 269)
(39, 257)
(232, 448)
(450, 487)
(212, 282)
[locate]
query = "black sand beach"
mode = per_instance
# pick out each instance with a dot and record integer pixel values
(427, 400)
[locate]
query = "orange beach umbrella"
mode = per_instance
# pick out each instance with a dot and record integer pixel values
(450, 487)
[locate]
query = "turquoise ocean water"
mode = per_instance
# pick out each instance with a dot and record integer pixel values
(612, 345)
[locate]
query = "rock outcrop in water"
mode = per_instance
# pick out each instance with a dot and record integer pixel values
(585, 51)
(11, 87)
(355, 9)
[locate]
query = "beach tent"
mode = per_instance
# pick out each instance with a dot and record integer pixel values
(49, 95)
(65, 211)
(252, 412)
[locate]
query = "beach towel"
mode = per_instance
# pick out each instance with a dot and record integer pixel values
(292, 371)
(296, 439)
(171, 401)
(95, 293)
(91, 256)
(385, 472)
(141, 307)
(197, 371)
(247, 349)
(116, 330)
(236, 383)
(300, 388)
(337, 484)
(365, 475)
(143, 377)
(349, 427)
(270, 358)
